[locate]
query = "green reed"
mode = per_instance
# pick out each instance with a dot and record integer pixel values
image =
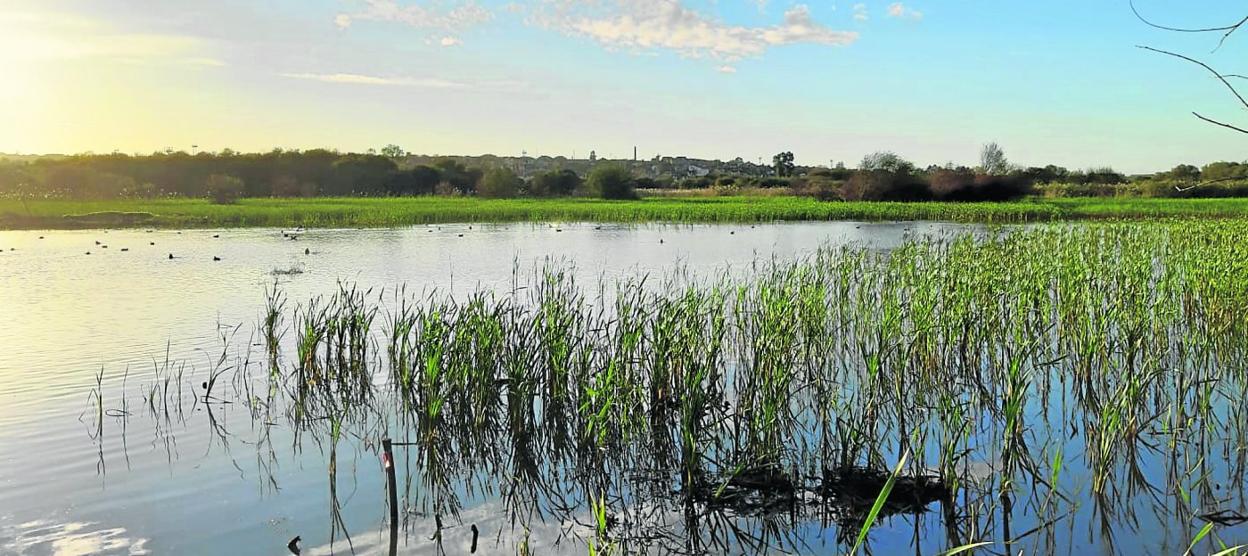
(1045, 354)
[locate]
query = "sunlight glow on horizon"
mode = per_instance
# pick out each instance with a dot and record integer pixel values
(712, 80)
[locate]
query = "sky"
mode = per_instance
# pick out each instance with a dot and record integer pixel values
(1054, 81)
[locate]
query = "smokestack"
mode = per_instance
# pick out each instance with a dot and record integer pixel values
(634, 153)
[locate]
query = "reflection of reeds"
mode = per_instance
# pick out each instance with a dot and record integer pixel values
(752, 395)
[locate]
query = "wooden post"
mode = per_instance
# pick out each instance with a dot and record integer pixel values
(387, 461)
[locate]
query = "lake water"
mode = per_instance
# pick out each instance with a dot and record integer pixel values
(77, 305)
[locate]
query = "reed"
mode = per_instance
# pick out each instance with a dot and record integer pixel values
(756, 400)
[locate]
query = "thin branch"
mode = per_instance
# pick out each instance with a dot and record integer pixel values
(1229, 29)
(1203, 65)
(1215, 122)
(1210, 182)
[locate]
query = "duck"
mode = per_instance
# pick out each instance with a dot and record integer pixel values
(171, 256)
(216, 258)
(307, 251)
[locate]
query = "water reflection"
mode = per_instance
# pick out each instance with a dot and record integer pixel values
(1039, 404)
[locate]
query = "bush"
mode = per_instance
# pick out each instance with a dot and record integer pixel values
(499, 183)
(555, 183)
(610, 181)
(223, 189)
(818, 186)
(951, 184)
(883, 185)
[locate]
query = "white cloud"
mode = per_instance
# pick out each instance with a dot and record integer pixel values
(860, 12)
(642, 25)
(450, 41)
(897, 9)
(435, 14)
(359, 79)
(727, 69)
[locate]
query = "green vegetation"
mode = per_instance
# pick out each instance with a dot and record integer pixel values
(387, 212)
(786, 394)
(408, 211)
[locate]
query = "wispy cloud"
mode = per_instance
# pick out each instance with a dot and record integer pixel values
(860, 12)
(899, 10)
(642, 25)
(359, 79)
(435, 14)
(727, 69)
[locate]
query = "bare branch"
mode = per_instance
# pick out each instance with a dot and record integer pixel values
(1227, 30)
(1215, 122)
(1210, 182)
(1215, 73)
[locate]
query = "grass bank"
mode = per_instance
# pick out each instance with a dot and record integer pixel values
(387, 212)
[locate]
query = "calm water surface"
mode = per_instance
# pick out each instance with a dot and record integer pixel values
(181, 489)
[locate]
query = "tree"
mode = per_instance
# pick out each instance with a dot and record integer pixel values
(611, 181)
(992, 160)
(393, 151)
(886, 161)
(458, 177)
(1183, 173)
(783, 163)
(499, 183)
(361, 174)
(223, 189)
(555, 183)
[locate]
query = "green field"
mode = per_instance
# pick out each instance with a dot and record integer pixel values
(386, 212)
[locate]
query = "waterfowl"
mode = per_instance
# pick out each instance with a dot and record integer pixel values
(307, 251)
(171, 256)
(216, 258)
(293, 545)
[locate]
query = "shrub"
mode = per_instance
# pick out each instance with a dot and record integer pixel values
(499, 183)
(555, 183)
(818, 186)
(883, 185)
(223, 189)
(610, 181)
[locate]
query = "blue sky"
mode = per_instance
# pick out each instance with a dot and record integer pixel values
(1058, 81)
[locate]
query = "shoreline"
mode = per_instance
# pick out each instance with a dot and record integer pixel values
(389, 212)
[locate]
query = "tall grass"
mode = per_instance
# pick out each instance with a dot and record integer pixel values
(391, 212)
(1102, 359)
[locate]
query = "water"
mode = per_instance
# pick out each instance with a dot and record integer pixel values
(203, 483)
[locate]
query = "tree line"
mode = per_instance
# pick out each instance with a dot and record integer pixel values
(228, 175)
